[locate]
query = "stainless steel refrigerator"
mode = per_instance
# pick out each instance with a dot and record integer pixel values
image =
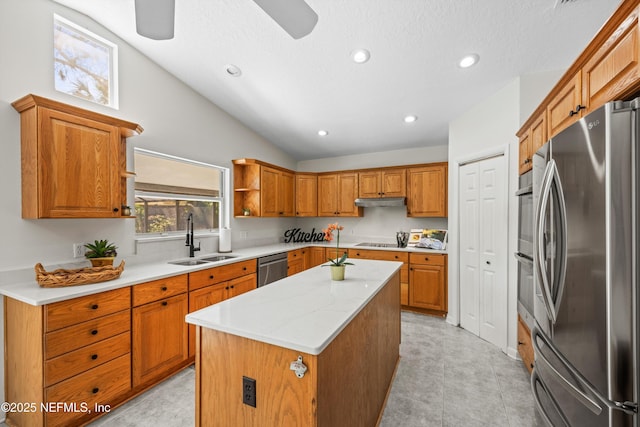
(585, 337)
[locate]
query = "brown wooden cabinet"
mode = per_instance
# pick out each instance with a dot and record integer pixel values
(160, 337)
(530, 141)
(73, 160)
(316, 256)
(306, 194)
(566, 107)
(210, 286)
(389, 256)
(265, 190)
(382, 183)
(71, 351)
(613, 69)
(296, 261)
(277, 192)
(525, 347)
(337, 193)
(428, 282)
(427, 191)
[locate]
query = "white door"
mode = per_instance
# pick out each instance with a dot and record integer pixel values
(483, 249)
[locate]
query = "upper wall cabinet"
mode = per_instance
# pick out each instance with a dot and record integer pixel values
(382, 183)
(337, 193)
(262, 189)
(306, 194)
(532, 139)
(427, 191)
(73, 160)
(608, 69)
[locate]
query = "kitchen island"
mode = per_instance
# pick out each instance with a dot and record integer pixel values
(347, 334)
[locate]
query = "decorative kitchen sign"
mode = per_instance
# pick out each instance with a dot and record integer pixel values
(296, 235)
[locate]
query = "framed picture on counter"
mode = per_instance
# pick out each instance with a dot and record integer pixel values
(428, 238)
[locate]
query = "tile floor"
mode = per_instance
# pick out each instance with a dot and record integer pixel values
(446, 377)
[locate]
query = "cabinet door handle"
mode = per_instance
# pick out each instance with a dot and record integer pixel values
(426, 258)
(226, 287)
(116, 209)
(211, 276)
(231, 286)
(164, 288)
(94, 356)
(244, 268)
(94, 332)
(164, 303)
(94, 307)
(520, 343)
(95, 390)
(577, 110)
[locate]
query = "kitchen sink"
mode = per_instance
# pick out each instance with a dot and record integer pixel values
(217, 258)
(189, 262)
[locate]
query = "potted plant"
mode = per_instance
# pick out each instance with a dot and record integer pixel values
(246, 211)
(337, 265)
(100, 252)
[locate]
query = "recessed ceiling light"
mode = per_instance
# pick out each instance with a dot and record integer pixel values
(234, 70)
(410, 119)
(469, 60)
(323, 133)
(360, 55)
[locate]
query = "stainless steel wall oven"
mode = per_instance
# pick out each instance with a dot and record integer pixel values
(525, 248)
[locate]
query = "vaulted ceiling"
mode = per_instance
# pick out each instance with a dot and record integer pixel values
(290, 89)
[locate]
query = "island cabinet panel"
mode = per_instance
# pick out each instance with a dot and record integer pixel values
(428, 282)
(160, 338)
(362, 357)
(73, 160)
(427, 191)
(389, 256)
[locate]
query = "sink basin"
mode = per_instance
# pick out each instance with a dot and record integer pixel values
(188, 262)
(217, 258)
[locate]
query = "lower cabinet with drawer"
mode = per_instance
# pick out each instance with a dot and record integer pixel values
(75, 353)
(210, 286)
(428, 282)
(160, 336)
(389, 256)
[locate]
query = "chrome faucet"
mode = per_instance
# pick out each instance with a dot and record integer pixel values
(192, 248)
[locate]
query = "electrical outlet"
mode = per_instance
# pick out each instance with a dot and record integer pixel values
(78, 250)
(249, 391)
(244, 234)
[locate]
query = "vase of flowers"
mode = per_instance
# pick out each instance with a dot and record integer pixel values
(338, 264)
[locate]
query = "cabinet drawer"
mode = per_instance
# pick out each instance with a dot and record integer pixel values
(211, 276)
(65, 313)
(85, 358)
(101, 385)
(430, 259)
(83, 334)
(379, 255)
(158, 289)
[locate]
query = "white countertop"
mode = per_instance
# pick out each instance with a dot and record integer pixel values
(31, 293)
(303, 312)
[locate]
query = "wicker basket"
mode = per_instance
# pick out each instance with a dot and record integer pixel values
(82, 276)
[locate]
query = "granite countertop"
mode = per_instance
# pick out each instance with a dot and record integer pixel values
(31, 293)
(303, 312)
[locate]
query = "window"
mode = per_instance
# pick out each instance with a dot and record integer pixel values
(84, 64)
(168, 189)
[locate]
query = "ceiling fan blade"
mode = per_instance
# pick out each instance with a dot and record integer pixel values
(155, 18)
(294, 16)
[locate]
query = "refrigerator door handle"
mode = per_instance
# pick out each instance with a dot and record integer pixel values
(561, 241)
(539, 240)
(535, 381)
(588, 401)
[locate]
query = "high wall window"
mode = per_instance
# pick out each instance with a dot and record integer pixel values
(168, 188)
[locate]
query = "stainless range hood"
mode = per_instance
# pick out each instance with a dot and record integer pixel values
(381, 201)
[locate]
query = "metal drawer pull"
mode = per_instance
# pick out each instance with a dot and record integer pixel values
(94, 307)
(95, 390)
(94, 356)
(164, 288)
(164, 303)
(94, 332)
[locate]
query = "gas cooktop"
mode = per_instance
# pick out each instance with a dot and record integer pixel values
(378, 245)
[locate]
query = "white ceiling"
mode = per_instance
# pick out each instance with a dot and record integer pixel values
(290, 89)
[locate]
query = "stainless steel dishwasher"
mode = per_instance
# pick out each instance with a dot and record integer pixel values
(272, 268)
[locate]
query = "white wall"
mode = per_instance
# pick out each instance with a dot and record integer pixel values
(175, 119)
(378, 224)
(489, 126)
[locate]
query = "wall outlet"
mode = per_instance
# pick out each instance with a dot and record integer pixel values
(244, 234)
(78, 250)
(249, 391)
